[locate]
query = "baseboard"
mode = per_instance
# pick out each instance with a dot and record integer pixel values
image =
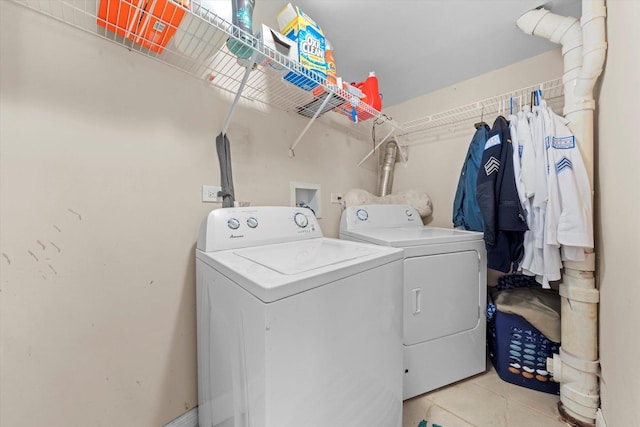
(600, 418)
(188, 419)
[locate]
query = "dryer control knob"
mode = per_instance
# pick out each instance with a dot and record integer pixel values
(252, 222)
(362, 215)
(408, 212)
(301, 220)
(233, 223)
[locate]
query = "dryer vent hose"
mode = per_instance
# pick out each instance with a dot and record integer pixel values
(385, 185)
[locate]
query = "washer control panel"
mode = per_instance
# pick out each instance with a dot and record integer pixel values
(229, 228)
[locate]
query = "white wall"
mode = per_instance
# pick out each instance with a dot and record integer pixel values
(102, 156)
(618, 209)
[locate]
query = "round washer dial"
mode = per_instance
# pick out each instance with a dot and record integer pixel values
(252, 222)
(362, 215)
(233, 223)
(408, 212)
(301, 220)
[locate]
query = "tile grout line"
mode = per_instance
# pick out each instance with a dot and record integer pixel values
(478, 388)
(525, 402)
(455, 415)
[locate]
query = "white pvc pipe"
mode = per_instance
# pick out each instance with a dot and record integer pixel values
(583, 50)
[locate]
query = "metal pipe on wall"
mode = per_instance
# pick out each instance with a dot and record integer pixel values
(385, 184)
(583, 49)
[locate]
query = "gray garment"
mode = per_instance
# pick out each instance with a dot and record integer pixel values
(226, 178)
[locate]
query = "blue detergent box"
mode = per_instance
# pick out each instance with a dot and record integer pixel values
(299, 27)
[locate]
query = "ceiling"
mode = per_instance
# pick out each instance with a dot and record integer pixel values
(418, 46)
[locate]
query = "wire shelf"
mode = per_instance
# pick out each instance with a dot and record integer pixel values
(195, 42)
(501, 104)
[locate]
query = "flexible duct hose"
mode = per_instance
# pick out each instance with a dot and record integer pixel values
(388, 165)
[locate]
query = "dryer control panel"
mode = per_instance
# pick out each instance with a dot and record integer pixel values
(379, 216)
(233, 228)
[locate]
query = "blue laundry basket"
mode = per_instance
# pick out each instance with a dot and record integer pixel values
(519, 352)
(517, 349)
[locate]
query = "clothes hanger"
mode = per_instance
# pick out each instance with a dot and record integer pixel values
(481, 123)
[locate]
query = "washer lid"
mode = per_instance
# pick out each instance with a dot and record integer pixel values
(272, 272)
(304, 256)
(413, 236)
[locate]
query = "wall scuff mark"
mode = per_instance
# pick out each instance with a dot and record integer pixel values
(33, 255)
(53, 269)
(75, 213)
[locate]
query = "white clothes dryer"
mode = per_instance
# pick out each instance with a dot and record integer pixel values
(444, 293)
(295, 329)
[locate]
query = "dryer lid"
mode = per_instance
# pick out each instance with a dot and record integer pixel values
(413, 236)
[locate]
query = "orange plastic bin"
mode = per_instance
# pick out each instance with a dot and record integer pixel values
(121, 16)
(150, 23)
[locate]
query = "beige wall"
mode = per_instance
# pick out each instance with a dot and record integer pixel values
(102, 158)
(618, 209)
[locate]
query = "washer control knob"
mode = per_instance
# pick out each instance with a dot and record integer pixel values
(233, 223)
(362, 215)
(409, 213)
(301, 220)
(252, 222)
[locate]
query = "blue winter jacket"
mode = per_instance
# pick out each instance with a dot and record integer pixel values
(466, 212)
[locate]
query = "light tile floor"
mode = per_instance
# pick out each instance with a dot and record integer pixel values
(483, 401)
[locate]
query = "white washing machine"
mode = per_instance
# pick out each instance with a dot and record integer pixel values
(444, 292)
(295, 329)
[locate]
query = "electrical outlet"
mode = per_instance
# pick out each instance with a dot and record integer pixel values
(210, 193)
(336, 198)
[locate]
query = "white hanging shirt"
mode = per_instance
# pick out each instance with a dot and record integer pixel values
(550, 249)
(528, 179)
(527, 155)
(544, 260)
(533, 263)
(569, 212)
(514, 124)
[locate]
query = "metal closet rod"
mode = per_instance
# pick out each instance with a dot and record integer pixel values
(496, 104)
(514, 100)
